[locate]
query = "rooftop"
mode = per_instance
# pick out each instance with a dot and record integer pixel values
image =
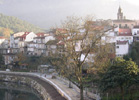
(125, 32)
(122, 42)
(136, 27)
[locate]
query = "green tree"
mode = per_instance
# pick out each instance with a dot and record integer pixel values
(122, 74)
(134, 52)
(17, 25)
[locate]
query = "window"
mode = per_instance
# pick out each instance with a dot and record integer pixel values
(119, 25)
(125, 25)
(137, 32)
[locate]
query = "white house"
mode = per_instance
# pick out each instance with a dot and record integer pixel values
(2, 39)
(110, 35)
(29, 36)
(125, 34)
(48, 38)
(122, 48)
(135, 33)
(31, 46)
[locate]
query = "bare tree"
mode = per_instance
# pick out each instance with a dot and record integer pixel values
(81, 38)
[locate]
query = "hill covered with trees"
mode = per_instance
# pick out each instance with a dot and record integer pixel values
(10, 24)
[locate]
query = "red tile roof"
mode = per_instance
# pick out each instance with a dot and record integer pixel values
(24, 35)
(40, 34)
(1, 37)
(125, 32)
(61, 31)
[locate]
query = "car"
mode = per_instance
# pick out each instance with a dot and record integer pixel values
(8, 70)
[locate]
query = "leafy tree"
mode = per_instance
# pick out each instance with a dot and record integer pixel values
(134, 52)
(122, 74)
(13, 24)
(20, 59)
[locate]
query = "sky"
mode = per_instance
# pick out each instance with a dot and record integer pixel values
(50, 13)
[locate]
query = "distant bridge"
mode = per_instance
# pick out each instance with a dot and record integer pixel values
(53, 92)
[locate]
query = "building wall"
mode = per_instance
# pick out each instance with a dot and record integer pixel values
(30, 37)
(122, 49)
(135, 32)
(124, 23)
(125, 38)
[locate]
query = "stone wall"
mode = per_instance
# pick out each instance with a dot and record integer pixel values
(28, 81)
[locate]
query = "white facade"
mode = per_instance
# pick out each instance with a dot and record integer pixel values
(18, 34)
(78, 45)
(48, 38)
(122, 48)
(135, 34)
(2, 39)
(110, 36)
(135, 31)
(125, 38)
(30, 37)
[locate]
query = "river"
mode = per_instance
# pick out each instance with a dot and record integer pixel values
(17, 91)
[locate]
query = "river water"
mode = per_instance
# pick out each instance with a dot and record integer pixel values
(16, 91)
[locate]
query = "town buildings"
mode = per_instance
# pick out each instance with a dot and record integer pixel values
(121, 34)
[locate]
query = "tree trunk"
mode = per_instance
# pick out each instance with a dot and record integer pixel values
(122, 92)
(70, 84)
(81, 91)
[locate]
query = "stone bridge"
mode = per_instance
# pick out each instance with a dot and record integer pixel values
(46, 89)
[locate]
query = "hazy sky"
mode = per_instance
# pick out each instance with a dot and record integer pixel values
(48, 13)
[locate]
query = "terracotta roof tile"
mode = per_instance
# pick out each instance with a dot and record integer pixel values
(125, 32)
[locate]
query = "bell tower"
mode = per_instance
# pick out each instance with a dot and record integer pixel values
(119, 14)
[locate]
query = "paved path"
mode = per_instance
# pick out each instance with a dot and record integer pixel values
(72, 93)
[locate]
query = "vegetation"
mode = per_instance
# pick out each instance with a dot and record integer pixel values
(121, 77)
(10, 24)
(134, 52)
(22, 62)
(73, 61)
(1, 61)
(134, 55)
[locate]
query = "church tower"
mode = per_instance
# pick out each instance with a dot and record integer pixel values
(119, 14)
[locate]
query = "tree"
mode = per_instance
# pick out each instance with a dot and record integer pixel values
(19, 59)
(134, 52)
(81, 37)
(1, 60)
(122, 74)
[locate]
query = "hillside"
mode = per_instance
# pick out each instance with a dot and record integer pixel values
(10, 24)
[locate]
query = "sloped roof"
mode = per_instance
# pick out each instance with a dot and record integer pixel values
(24, 35)
(60, 43)
(42, 34)
(123, 20)
(136, 27)
(122, 42)
(52, 42)
(125, 32)
(1, 37)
